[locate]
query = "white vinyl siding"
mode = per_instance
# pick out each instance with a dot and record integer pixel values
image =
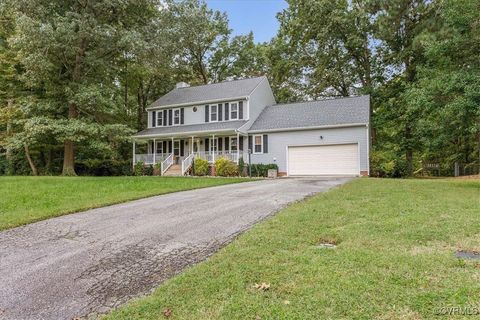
(339, 159)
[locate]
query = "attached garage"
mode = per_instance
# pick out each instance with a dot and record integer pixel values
(318, 160)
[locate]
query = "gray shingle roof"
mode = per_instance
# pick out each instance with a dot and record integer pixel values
(209, 92)
(185, 129)
(327, 112)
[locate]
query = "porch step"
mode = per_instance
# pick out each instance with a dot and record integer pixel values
(174, 170)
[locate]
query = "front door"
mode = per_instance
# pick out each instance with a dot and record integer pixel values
(176, 150)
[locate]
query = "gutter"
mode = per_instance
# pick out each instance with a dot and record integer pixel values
(181, 134)
(197, 103)
(310, 128)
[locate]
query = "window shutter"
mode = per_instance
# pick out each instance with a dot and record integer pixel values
(227, 113)
(170, 149)
(165, 147)
(170, 117)
(265, 143)
(207, 146)
(240, 143)
(207, 114)
(220, 144)
(250, 143)
(240, 110)
(182, 115)
(220, 111)
(165, 117)
(227, 143)
(154, 119)
(182, 148)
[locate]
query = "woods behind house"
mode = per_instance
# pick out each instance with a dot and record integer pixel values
(77, 75)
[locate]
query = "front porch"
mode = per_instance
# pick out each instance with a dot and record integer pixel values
(181, 151)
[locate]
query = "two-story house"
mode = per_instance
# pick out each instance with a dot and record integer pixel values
(240, 119)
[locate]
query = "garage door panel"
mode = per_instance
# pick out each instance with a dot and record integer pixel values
(323, 160)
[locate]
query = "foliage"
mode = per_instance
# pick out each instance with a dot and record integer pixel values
(261, 170)
(242, 167)
(138, 169)
(226, 168)
(200, 167)
(96, 167)
(385, 164)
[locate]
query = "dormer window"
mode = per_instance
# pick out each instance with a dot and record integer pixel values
(234, 111)
(176, 116)
(213, 113)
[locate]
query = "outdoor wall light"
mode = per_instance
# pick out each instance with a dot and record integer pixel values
(321, 137)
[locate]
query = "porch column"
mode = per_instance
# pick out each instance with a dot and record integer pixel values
(192, 145)
(211, 147)
(154, 150)
(133, 153)
(238, 147)
(173, 147)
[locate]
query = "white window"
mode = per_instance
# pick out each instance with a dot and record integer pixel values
(234, 111)
(176, 116)
(160, 118)
(213, 144)
(258, 144)
(233, 144)
(213, 113)
(159, 147)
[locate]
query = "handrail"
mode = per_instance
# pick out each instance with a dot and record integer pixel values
(187, 163)
(167, 163)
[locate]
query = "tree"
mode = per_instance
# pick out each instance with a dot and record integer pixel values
(199, 33)
(69, 50)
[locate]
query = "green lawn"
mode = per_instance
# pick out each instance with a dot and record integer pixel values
(394, 260)
(27, 199)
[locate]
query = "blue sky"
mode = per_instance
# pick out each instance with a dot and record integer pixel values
(258, 16)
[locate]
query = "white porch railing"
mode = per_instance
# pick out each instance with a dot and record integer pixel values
(187, 163)
(150, 158)
(212, 156)
(167, 163)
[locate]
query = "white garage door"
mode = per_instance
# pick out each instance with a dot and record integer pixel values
(341, 159)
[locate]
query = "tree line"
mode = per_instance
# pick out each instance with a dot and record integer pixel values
(77, 75)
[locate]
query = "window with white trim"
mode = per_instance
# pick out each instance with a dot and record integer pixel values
(233, 144)
(159, 147)
(258, 144)
(213, 113)
(160, 118)
(176, 116)
(234, 111)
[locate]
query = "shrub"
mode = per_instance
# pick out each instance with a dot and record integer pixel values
(242, 168)
(226, 168)
(261, 170)
(387, 165)
(98, 167)
(138, 169)
(200, 167)
(148, 170)
(157, 169)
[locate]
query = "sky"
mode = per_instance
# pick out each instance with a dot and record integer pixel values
(244, 16)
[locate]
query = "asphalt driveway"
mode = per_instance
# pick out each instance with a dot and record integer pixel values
(87, 263)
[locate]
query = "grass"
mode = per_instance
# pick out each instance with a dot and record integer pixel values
(394, 259)
(27, 199)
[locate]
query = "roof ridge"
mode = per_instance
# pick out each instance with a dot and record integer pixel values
(320, 100)
(225, 81)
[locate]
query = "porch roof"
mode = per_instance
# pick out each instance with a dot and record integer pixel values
(188, 130)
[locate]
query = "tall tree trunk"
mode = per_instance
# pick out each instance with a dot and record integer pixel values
(68, 145)
(8, 153)
(30, 162)
(69, 148)
(408, 148)
(140, 106)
